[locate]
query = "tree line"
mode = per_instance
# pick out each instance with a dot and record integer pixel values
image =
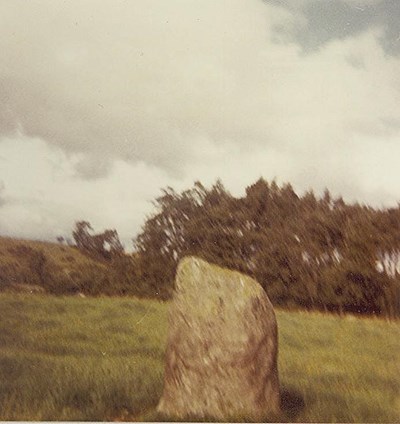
(306, 251)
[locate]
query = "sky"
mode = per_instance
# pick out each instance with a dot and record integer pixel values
(104, 103)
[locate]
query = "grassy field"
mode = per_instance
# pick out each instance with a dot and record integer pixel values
(102, 359)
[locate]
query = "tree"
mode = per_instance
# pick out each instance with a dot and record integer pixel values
(104, 245)
(305, 251)
(81, 234)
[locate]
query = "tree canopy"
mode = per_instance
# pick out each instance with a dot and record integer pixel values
(306, 251)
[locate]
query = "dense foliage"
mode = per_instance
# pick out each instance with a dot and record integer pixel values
(317, 253)
(306, 251)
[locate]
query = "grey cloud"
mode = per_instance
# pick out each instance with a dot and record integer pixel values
(355, 61)
(328, 20)
(92, 167)
(184, 88)
(41, 110)
(145, 81)
(131, 80)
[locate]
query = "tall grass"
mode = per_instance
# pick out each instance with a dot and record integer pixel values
(79, 359)
(102, 359)
(340, 369)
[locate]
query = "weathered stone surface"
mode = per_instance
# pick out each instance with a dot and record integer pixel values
(221, 359)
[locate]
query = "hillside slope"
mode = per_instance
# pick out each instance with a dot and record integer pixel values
(27, 264)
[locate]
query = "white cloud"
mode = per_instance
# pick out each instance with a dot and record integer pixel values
(44, 196)
(136, 79)
(116, 100)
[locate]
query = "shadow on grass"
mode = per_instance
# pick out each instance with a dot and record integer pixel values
(292, 403)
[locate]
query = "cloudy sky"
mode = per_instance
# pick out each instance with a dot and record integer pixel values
(104, 102)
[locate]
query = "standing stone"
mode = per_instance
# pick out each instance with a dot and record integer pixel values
(221, 359)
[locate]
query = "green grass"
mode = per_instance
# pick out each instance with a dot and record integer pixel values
(340, 369)
(102, 359)
(79, 359)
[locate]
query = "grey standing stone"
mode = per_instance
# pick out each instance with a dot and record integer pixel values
(221, 359)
